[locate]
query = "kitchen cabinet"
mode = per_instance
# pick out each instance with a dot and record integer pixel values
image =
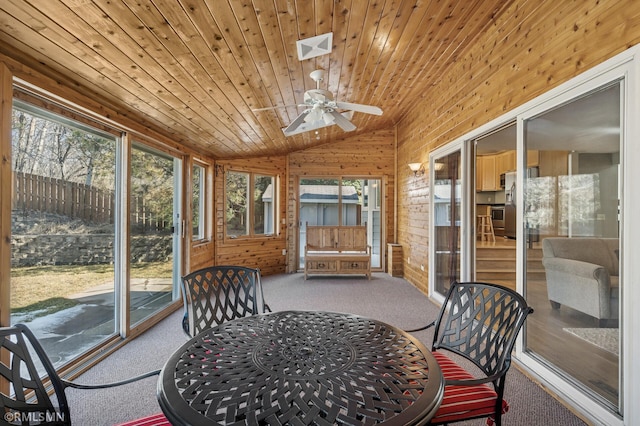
(486, 177)
(554, 163)
(505, 162)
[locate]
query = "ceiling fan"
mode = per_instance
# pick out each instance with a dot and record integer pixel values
(322, 110)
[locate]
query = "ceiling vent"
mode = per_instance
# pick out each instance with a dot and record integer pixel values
(315, 46)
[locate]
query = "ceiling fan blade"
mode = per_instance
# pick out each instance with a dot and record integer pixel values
(368, 109)
(278, 107)
(344, 124)
(295, 123)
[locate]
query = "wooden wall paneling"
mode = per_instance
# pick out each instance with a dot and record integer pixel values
(255, 252)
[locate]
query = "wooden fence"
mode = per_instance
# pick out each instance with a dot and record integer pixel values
(76, 200)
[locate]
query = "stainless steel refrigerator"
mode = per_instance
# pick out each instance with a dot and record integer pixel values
(510, 196)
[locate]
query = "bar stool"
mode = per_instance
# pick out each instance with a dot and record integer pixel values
(485, 228)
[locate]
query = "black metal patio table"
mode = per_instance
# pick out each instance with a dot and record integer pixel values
(301, 368)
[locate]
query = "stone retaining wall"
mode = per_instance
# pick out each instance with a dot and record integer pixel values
(84, 249)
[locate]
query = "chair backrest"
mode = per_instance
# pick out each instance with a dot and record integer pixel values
(217, 294)
(23, 395)
(481, 321)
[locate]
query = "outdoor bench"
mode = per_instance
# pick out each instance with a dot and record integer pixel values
(337, 250)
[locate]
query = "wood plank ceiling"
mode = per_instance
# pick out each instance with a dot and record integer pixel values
(195, 69)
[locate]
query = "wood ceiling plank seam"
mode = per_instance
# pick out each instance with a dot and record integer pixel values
(589, 21)
(222, 134)
(383, 25)
(365, 43)
(268, 16)
(234, 41)
(99, 27)
(483, 69)
(304, 27)
(420, 47)
(339, 26)
(420, 21)
(503, 94)
(77, 58)
(438, 60)
(218, 45)
(227, 79)
(259, 45)
(373, 61)
(287, 15)
(99, 108)
(208, 68)
(323, 24)
(161, 94)
(355, 23)
(454, 49)
(180, 75)
(385, 64)
(292, 31)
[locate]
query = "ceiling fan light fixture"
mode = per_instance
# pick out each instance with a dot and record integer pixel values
(328, 118)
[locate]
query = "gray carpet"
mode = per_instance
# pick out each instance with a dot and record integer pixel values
(392, 300)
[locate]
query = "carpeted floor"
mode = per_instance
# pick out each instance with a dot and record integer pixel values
(392, 300)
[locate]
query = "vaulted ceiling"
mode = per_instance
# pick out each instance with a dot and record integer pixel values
(196, 70)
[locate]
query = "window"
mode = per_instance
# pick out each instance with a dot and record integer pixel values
(250, 201)
(198, 202)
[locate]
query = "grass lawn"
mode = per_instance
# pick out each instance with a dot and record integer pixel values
(47, 288)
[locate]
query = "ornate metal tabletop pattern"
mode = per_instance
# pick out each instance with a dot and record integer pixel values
(301, 368)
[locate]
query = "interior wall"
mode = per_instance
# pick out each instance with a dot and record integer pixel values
(371, 154)
(531, 48)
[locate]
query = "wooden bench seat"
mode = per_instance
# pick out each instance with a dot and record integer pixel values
(337, 250)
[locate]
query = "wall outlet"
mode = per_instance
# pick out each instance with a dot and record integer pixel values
(284, 252)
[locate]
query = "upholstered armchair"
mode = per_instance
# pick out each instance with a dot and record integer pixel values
(582, 274)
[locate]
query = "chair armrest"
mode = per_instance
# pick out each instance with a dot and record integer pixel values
(68, 383)
(474, 382)
(424, 327)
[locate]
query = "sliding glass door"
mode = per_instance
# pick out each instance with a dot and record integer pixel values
(348, 201)
(571, 229)
(155, 229)
(68, 270)
(63, 280)
(557, 170)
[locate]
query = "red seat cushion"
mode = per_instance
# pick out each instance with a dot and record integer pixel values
(464, 402)
(154, 420)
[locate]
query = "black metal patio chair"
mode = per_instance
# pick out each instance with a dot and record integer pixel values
(26, 398)
(478, 322)
(217, 294)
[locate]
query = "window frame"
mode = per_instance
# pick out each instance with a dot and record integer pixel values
(250, 208)
(203, 233)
